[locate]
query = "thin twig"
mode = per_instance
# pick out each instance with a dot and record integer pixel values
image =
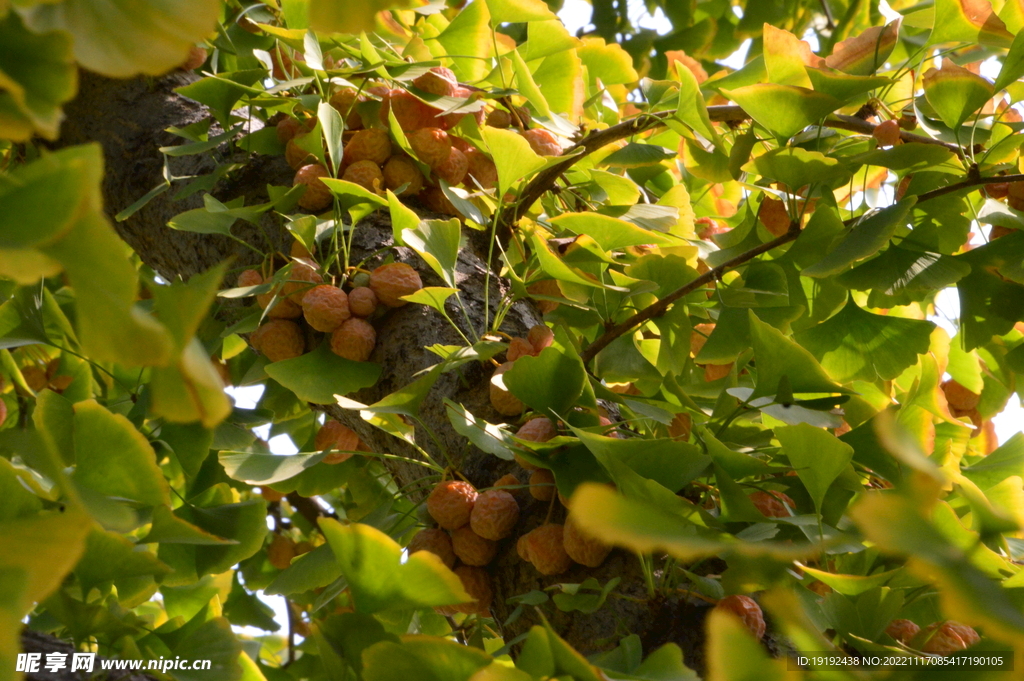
(829, 21)
(661, 306)
(597, 139)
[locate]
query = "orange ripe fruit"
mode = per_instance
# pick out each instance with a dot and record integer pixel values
(436, 542)
(948, 637)
(494, 514)
(887, 133)
(542, 485)
(713, 372)
(581, 547)
(295, 155)
(278, 340)
(392, 281)
(325, 307)
(477, 584)
(354, 340)
(196, 58)
(546, 549)
(301, 278)
(280, 551)
(499, 118)
(337, 436)
(471, 548)
(362, 301)
(410, 112)
(366, 174)
(548, 287)
(249, 278)
(960, 398)
(770, 503)
(699, 336)
(519, 347)
(344, 101)
(435, 200)
(451, 503)
(480, 169)
(902, 630)
(540, 429)
(401, 172)
(373, 144)
(747, 609)
(453, 169)
(540, 337)
(317, 196)
(504, 402)
(431, 145)
(270, 494)
(543, 142)
(439, 81)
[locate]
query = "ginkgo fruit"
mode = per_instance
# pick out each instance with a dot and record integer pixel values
(354, 340)
(582, 547)
(477, 584)
(362, 301)
(431, 145)
(372, 144)
(471, 548)
(325, 307)
(338, 437)
(402, 176)
(772, 504)
(317, 196)
(278, 340)
(436, 542)
(495, 513)
(366, 174)
(451, 503)
(542, 142)
(542, 484)
(392, 281)
(546, 549)
(503, 401)
(747, 610)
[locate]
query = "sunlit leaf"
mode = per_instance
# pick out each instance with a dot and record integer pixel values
(955, 93)
(785, 110)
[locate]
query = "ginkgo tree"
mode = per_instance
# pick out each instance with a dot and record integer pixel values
(601, 360)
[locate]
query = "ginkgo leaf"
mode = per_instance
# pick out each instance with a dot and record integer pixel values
(955, 93)
(863, 54)
(855, 344)
(968, 21)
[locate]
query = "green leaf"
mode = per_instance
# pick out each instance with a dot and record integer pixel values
(117, 39)
(785, 110)
(245, 522)
(486, 436)
(796, 167)
(512, 155)
(333, 128)
(817, 456)
(468, 40)
(734, 655)
(351, 194)
(432, 296)
(402, 217)
(38, 74)
(646, 527)
(115, 459)
(856, 344)
(667, 462)
(784, 57)
(955, 93)
(1006, 461)
(844, 86)
(851, 585)
(899, 270)
(437, 242)
(422, 657)
(191, 443)
(866, 238)
(912, 157)
(550, 382)
(665, 664)
(309, 571)
(168, 528)
(110, 556)
(215, 642)
(691, 109)
(327, 16)
(219, 92)
(611, 233)
(1013, 64)
(379, 581)
(865, 53)
(39, 550)
(516, 11)
(607, 61)
(968, 21)
(320, 375)
(265, 469)
(527, 86)
(636, 155)
(779, 357)
(405, 401)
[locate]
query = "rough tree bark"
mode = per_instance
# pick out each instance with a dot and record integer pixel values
(129, 118)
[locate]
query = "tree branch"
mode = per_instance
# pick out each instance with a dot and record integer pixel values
(727, 113)
(661, 306)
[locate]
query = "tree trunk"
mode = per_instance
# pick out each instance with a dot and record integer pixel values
(129, 118)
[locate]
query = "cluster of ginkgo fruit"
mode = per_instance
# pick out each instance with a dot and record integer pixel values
(373, 159)
(938, 638)
(471, 524)
(345, 312)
